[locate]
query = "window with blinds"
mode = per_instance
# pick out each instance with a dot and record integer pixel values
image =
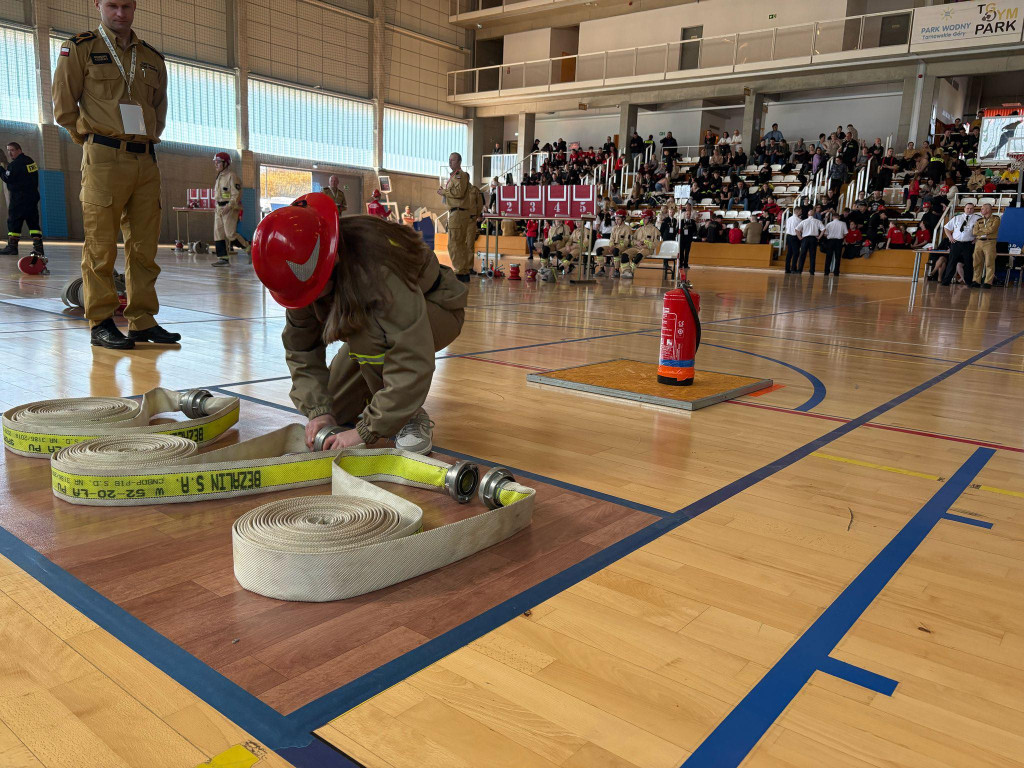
(415, 143)
(200, 103)
(304, 124)
(19, 99)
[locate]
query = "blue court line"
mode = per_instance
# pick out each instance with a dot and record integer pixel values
(819, 388)
(486, 462)
(967, 520)
(858, 676)
(279, 731)
(730, 743)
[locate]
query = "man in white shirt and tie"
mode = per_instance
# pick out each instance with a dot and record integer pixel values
(792, 240)
(835, 231)
(808, 231)
(960, 231)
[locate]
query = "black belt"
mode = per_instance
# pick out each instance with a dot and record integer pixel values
(135, 147)
(222, 202)
(455, 209)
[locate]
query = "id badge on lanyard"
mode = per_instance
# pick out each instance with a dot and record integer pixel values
(133, 122)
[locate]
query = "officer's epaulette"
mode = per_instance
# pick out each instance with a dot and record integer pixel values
(154, 50)
(82, 37)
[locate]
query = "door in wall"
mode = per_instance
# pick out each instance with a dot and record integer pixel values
(568, 73)
(689, 48)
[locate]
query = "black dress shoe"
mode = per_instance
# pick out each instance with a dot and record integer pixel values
(108, 335)
(975, 285)
(156, 335)
(987, 285)
(463, 278)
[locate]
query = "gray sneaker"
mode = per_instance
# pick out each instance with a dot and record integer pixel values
(416, 435)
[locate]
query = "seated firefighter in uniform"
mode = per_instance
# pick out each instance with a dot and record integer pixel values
(580, 242)
(558, 235)
(644, 242)
(620, 238)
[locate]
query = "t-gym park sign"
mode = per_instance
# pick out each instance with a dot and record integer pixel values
(968, 23)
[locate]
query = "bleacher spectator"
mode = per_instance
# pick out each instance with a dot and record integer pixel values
(855, 244)
(851, 132)
(668, 147)
(636, 144)
(735, 234)
(752, 231)
(897, 237)
(837, 176)
(774, 134)
(736, 141)
(739, 195)
(609, 147)
(976, 182)
(710, 140)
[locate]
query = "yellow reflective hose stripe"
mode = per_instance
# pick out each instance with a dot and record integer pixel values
(508, 497)
(396, 466)
(36, 442)
(236, 481)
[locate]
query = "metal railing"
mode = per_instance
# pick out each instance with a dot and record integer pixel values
(817, 41)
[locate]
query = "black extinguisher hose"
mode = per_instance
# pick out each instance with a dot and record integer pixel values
(693, 311)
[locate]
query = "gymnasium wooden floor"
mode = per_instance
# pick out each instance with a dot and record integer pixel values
(828, 574)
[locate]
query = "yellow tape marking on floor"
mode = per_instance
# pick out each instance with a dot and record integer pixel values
(912, 473)
(235, 757)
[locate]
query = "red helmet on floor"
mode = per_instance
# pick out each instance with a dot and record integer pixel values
(294, 249)
(376, 194)
(224, 157)
(32, 265)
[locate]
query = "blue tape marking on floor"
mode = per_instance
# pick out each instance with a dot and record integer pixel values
(277, 731)
(317, 754)
(816, 384)
(262, 721)
(967, 520)
(858, 676)
(519, 473)
(730, 743)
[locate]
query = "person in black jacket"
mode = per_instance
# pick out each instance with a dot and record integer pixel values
(22, 179)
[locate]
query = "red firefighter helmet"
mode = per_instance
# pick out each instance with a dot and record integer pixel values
(294, 249)
(648, 214)
(376, 194)
(224, 157)
(620, 213)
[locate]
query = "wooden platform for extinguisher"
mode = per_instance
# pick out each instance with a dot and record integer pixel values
(638, 381)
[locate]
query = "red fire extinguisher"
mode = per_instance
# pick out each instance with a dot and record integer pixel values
(680, 336)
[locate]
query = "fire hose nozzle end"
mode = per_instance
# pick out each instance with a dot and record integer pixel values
(192, 402)
(323, 433)
(461, 481)
(492, 484)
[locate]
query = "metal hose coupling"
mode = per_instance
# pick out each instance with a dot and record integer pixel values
(461, 481)
(192, 402)
(491, 486)
(323, 433)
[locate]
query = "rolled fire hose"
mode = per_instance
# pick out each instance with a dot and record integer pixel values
(73, 296)
(362, 538)
(165, 469)
(41, 428)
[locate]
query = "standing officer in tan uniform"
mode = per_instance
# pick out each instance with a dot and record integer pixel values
(985, 231)
(227, 194)
(336, 194)
(110, 93)
(620, 238)
(643, 242)
(454, 194)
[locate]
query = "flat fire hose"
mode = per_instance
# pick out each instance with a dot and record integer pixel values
(362, 538)
(41, 428)
(116, 471)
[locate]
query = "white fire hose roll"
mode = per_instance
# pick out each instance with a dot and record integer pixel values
(44, 427)
(362, 538)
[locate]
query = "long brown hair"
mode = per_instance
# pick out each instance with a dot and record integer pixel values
(368, 248)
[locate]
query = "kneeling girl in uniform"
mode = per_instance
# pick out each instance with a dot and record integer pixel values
(375, 286)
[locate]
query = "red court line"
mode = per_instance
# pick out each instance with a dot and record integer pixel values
(886, 427)
(765, 391)
(503, 362)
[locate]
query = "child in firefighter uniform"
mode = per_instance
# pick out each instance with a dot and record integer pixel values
(620, 238)
(643, 242)
(227, 194)
(580, 242)
(558, 236)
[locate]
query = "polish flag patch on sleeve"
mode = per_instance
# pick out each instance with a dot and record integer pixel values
(65, 51)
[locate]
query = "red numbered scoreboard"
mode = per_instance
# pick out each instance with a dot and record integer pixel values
(510, 201)
(532, 198)
(583, 201)
(556, 201)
